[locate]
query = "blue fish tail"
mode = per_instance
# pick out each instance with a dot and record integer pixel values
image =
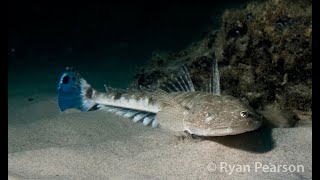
(74, 91)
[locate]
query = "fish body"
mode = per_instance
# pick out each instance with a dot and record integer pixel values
(197, 112)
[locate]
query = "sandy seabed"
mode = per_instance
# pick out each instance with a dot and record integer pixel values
(44, 143)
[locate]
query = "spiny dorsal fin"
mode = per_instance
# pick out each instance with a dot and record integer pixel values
(214, 80)
(187, 75)
(180, 82)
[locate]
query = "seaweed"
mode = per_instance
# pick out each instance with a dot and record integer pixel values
(264, 53)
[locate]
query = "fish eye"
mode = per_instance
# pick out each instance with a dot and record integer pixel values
(244, 114)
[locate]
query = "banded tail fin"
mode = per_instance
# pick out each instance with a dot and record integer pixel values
(74, 91)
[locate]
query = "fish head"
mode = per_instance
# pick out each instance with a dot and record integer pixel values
(220, 116)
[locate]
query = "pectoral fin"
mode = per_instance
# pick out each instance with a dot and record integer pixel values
(163, 99)
(171, 113)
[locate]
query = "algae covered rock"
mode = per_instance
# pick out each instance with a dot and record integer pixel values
(264, 52)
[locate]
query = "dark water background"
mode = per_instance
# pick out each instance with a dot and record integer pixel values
(106, 41)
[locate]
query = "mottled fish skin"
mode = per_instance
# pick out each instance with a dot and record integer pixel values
(141, 101)
(199, 113)
(206, 114)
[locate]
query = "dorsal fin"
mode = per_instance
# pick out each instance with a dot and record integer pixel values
(179, 82)
(214, 80)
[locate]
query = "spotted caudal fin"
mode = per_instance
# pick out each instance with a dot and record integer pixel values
(74, 91)
(213, 85)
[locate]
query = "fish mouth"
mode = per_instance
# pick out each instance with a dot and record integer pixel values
(224, 131)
